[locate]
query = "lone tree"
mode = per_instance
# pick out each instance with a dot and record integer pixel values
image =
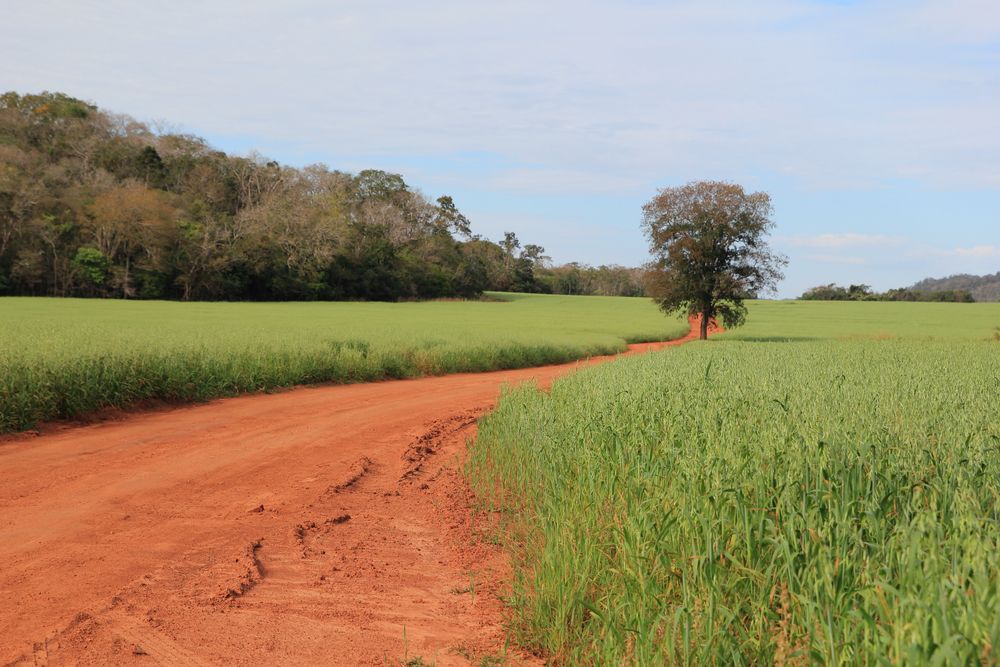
(709, 250)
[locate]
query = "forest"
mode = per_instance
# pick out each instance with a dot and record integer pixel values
(982, 288)
(99, 204)
(833, 292)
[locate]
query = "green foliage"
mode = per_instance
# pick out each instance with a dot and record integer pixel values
(605, 280)
(709, 245)
(92, 265)
(374, 184)
(980, 288)
(150, 167)
(739, 501)
(46, 106)
(177, 220)
(63, 358)
(449, 218)
(832, 292)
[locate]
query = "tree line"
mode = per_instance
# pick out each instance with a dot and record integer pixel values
(832, 292)
(99, 204)
(982, 288)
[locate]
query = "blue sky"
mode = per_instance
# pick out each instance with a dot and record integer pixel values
(873, 125)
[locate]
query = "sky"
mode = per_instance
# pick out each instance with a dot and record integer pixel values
(874, 126)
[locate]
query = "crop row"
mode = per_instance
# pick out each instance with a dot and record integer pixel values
(66, 358)
(738, 502)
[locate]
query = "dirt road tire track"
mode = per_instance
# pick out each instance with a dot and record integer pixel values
(324, 525)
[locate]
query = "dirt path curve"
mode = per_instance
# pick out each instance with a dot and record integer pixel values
(321, 525)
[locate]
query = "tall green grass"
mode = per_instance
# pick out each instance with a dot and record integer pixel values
(852, 320)
(761, 502)
(63, 358)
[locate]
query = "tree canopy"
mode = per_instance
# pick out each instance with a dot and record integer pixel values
(94, 203)
(833, 292)
(710, 252)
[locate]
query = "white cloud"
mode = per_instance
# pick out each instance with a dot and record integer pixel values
(836, 259)
(961, 21)
(558, 181)
(851, 95)
(978, 252)
(590, 100)
(841, 240)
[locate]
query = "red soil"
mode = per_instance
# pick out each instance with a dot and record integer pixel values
(325, 525)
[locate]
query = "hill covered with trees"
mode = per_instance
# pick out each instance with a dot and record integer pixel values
(982, 288)
(94, 203)
(832, 292)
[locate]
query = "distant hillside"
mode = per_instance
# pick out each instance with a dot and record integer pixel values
(98, 204)
(983, 288)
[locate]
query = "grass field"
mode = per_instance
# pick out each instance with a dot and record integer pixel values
(63, 358)
(853, 320)
(821, 486)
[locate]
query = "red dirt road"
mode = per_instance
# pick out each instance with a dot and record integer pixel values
(325, 525)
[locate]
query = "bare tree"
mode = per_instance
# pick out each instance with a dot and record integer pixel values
(21, 191)
(255, 178)
(129, 221)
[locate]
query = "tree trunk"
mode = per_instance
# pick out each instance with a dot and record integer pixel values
(706, 316)
(55, 270)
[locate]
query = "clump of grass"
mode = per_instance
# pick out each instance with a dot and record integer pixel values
(799, 503)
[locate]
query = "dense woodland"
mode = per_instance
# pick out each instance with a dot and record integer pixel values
(834, 292)
(99, 204)
(982, 288)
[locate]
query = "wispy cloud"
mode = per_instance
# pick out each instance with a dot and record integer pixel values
(841, 240)
(849, 94)
(977, 251)
(872, 244)
(559, 181)
(851, 113)
(836, 259)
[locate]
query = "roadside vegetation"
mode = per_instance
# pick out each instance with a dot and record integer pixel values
(65, 358)
(820, 486)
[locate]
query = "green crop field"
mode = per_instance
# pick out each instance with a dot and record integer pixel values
(63, 358)
(821, 486)
(853, 320)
